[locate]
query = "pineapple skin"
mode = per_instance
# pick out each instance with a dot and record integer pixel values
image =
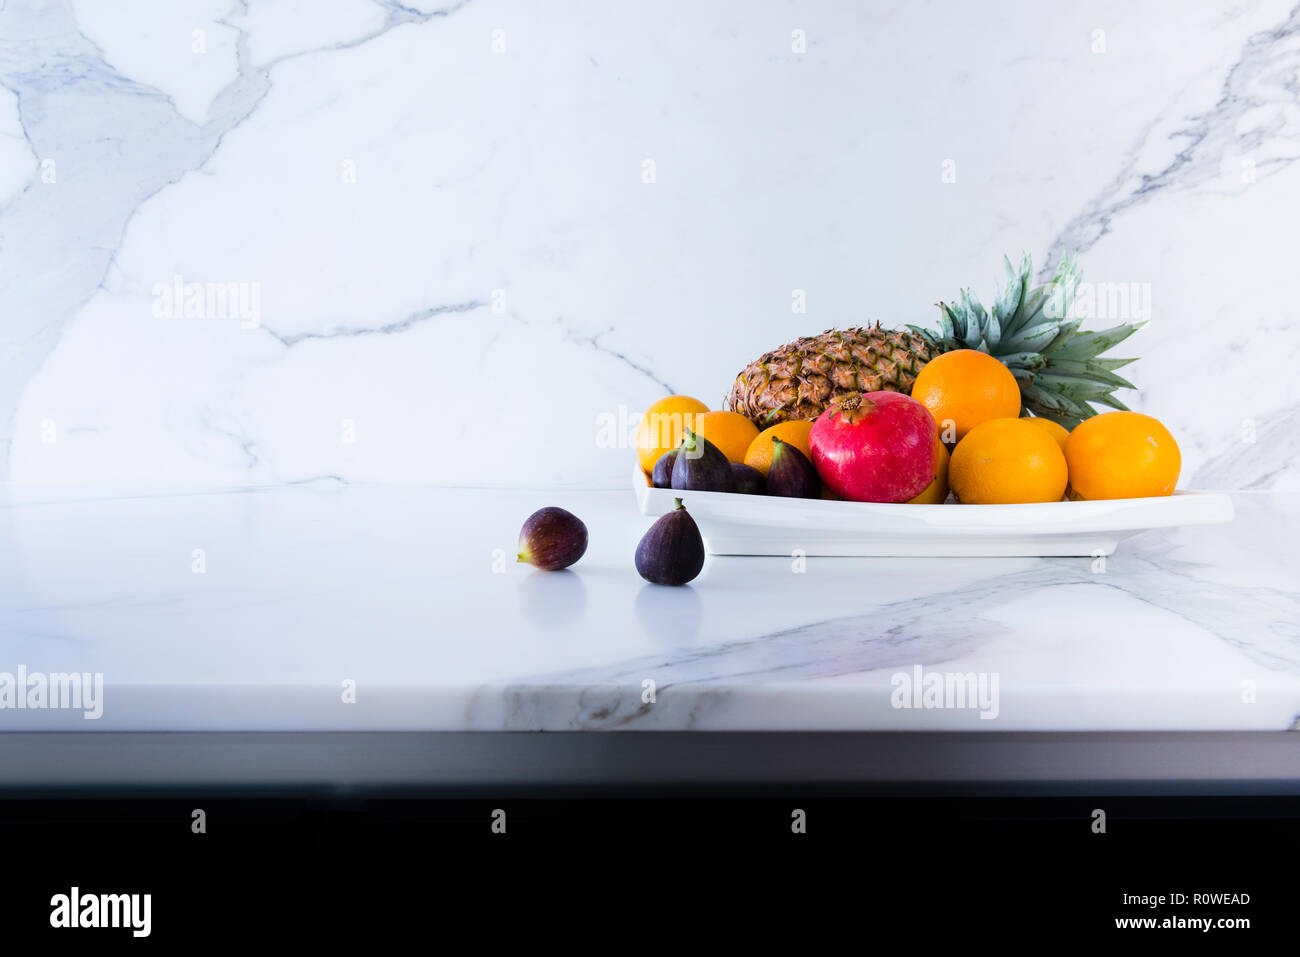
(801, 378)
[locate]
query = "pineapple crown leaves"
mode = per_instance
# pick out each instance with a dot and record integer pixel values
(1060, 370)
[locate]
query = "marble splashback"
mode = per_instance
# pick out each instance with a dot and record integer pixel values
(268, 241)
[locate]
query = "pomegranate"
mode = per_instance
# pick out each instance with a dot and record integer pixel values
(875, 447)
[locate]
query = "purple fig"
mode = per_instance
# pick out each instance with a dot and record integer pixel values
(749, 480)
(662, 476)
(700, 466)
(672, 551)
(552, 539)
(791, 474)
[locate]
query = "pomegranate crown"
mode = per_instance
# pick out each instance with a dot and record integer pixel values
(854, 407)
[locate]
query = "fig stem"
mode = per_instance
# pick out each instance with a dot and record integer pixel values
(677, 503)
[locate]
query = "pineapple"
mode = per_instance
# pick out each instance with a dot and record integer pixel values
(801, 378)
(1058, 368)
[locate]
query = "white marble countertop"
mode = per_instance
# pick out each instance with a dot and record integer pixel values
(250, 609)
(437, 215)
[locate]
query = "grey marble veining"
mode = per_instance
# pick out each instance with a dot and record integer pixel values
(445, 214)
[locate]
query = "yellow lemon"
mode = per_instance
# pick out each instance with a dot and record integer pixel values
(660, 429)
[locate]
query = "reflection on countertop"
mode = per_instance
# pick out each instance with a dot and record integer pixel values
(252, 608)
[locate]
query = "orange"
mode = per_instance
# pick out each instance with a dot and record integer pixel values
(964, 388)
(729, 431)
(936, 493)
(759, 453)
(1122, 455)
(660, 429)
(1054, 429)
(1007, 462)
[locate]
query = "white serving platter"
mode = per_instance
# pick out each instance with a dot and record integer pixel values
(735, 524)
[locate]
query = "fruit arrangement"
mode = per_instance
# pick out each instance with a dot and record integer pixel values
(995, 406)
